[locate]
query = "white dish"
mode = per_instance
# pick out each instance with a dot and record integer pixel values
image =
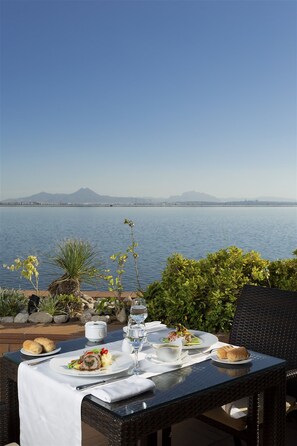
(25, 352)
(121, 362)
(207, 339)
(214, 357)
(182, 360)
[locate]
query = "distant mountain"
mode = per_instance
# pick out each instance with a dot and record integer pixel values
(193, 196)
(82, 196)
(86, 196)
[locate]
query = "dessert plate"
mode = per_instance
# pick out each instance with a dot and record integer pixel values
(215, 358)
(25, 352)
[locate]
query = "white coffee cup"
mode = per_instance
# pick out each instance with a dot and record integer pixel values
(168, 353)
(95, 331)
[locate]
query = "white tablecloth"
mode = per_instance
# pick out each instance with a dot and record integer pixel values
(50, 407)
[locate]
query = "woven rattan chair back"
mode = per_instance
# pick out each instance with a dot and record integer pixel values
(266, 321)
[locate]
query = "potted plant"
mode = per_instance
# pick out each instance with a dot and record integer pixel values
(79, 261)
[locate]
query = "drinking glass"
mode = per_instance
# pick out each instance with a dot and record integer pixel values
(136, 336)
(138, 310)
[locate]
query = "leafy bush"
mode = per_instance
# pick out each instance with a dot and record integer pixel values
(61, 304)
(201, 294)
(70, 304)
(283, 273)
(11, 302)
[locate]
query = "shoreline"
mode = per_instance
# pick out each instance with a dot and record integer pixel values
(94, 294)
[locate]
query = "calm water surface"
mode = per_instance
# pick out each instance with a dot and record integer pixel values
(160, 232)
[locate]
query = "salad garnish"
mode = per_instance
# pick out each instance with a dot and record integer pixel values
(182, 332)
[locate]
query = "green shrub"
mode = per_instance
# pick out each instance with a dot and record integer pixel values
(283, 273)
(50, 304)
(70, 304)
(11, 302)
(200, 294)
(61, 304)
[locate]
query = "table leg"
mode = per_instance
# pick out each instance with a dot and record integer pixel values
(166, 436)
(274, 421)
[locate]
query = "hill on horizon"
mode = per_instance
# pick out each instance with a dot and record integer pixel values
(87, 196)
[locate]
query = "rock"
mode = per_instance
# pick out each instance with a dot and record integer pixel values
(101, 318)
(60, 318)
(88, 302)
(21, 318)
(6, 319)
(86, 316)
(121, 315)
(41, 317)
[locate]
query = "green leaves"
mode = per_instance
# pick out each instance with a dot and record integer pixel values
(28, 268)
(78, 259)
(201, 294)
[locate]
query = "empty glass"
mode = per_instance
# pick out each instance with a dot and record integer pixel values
(138, 310)
(136, 336)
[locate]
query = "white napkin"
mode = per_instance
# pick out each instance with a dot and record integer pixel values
(154, 326)
(151, 326)
(134, 385)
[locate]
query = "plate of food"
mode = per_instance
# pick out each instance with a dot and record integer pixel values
(190, 339)
(39, 347)
(231, 355)
(94, 362)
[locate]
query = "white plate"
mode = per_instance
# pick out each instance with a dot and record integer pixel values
(121, 362)
(207, 339)
(183, 360)
(214, 357)
(25, 352)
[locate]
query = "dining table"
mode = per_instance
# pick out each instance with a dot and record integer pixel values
(179, 394)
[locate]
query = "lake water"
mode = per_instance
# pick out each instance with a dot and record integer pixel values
(159, 231)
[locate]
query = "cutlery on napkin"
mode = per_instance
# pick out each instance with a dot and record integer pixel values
(127, 388)
(100, 383)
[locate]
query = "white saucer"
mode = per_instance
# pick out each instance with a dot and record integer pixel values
(183, 360)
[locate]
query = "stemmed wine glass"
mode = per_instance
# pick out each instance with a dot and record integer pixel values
(138, 310)
(136, 336)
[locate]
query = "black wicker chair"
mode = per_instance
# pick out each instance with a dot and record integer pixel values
(265, 321)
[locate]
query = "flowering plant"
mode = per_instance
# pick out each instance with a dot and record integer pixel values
(29, 269)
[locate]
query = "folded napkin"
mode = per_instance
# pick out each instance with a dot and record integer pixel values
(151, 326)
(126, 388)
(154, 326)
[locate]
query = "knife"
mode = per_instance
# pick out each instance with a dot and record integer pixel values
(100, 383)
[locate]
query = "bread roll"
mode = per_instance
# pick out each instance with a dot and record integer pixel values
(222, 351)
(237, 354)
(32, 347)
(47, 344)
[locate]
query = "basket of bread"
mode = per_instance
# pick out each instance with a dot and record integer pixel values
(231, 355)
(40, 346)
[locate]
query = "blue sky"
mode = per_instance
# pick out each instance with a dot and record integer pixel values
(149, 98)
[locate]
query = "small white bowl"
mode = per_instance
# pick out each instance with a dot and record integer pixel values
(168, 353)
